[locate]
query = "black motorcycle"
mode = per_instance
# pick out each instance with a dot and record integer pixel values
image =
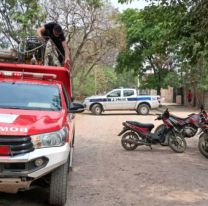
(203, 136)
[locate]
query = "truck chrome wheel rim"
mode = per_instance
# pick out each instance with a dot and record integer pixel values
(97, 109)
(144, 110)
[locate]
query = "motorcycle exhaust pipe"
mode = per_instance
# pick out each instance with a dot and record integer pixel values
(130, 141)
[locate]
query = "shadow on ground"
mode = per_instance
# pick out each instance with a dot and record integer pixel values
(27, 198)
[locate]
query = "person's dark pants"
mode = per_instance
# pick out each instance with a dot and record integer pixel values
(61, 59)
(61, 54)
(60, 51)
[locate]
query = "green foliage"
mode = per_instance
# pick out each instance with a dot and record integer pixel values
(162, 2)
(175, 28)
(129, 60)
(193, 38)
(19, 18)
(151, 37)
(103, 79)
(95, 3)
(86, 89)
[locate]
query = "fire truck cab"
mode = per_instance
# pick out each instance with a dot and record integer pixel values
(37, 128)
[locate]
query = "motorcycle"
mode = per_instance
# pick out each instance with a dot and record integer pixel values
(188, 126)
(135, 134)
(203, 136)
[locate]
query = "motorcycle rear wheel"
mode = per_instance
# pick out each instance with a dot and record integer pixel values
(176, 142)
(203, 144)
(129, 136)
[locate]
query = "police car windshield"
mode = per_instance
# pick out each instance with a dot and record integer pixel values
(29, 96)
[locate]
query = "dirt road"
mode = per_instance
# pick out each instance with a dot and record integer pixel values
(104, 174)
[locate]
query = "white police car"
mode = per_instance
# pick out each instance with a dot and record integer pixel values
(122, 99)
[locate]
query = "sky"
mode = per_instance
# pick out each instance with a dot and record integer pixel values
(136, 4)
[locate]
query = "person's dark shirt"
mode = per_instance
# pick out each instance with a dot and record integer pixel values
(48, 34)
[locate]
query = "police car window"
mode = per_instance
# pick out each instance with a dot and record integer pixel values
(128, 93)
(115, 94)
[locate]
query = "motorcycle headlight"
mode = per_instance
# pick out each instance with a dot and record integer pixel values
(53, 139)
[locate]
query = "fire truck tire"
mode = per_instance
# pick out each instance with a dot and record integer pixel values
(58, 185)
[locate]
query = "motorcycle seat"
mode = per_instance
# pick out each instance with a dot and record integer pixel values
(179, 118)
(150, 126)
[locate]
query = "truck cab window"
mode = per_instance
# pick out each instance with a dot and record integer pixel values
(128, 93)
(66, 97)
(115, 94)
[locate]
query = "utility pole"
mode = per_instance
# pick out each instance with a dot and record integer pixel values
(95, 80)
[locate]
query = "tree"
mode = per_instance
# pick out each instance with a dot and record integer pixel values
(103, 79)
(189, 45)
(164, 2)
(150, 38)
(91, 32)
(18, 18)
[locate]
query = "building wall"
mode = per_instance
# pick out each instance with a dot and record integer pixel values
(147, 92)
(167, 95)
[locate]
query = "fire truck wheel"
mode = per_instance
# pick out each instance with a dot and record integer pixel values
(58, 185)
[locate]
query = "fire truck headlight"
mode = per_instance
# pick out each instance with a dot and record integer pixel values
(53, 139)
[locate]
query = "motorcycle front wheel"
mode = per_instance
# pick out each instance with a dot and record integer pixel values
(129, 141)
(176, 142)
(203, 144)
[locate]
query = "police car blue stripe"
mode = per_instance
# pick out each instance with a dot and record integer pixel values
(100, 100)
(139, 98)
(143, 98)
(132, 99)
(128, 99)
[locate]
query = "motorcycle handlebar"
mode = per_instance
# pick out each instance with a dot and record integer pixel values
(158, 118)
(189, 115)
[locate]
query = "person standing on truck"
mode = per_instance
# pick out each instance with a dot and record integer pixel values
(54, 32)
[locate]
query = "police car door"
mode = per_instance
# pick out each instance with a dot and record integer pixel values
(130, 98)
(114, 100)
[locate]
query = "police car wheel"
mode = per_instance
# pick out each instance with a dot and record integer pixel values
(143, 109)
(96, 109)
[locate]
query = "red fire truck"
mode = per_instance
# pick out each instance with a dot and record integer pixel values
(36, 128)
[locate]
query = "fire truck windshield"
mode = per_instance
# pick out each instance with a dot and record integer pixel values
(29, 96)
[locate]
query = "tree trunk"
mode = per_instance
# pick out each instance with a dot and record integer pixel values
(158, 90)
(194, 99)
(174, 94)
(182, 95)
